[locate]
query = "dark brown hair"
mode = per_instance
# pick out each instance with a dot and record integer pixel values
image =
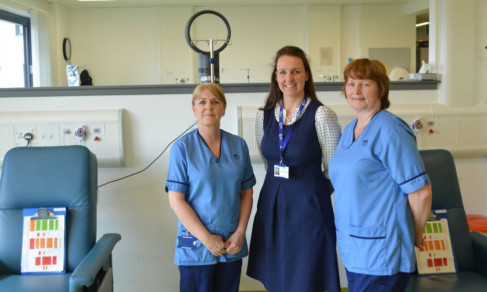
(275, 94)
(369, 69)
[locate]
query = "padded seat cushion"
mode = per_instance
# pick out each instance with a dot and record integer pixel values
(37, 283)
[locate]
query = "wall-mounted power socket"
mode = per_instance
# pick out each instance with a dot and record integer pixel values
(19, 135)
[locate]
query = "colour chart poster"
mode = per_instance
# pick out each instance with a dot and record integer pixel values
(43, 241)
(436, 256)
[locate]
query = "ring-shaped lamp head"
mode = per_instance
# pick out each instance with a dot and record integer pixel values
(208, 62)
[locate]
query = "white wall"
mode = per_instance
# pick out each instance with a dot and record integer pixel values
(257, 33)
(59, 29)
(457, 41)
(108, 47)
(324, 32)
(128, 46)
(481, 52)
(472, 177)
(117, 46)
(384, 27)
(351, 45)
(176, 57)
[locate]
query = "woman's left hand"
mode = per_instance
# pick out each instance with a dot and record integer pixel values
(234, 243)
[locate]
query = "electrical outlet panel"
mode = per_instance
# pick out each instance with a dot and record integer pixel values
(20, 138)
(47, 135)
(98, 130)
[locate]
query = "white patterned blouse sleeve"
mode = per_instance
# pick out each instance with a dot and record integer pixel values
(259, 133)
(329, 133)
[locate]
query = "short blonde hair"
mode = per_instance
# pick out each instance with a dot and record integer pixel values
(211, 87)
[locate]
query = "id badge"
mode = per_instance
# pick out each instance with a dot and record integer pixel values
(281, 170)
(187, 241)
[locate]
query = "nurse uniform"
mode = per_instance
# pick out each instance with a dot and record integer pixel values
(212, 188)
(373, 176)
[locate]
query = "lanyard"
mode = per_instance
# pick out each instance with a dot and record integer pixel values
(283, 142)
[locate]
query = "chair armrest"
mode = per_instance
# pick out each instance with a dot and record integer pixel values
(85, 273)
(479, 243)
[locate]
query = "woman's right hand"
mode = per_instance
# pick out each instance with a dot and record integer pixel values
(215, 244)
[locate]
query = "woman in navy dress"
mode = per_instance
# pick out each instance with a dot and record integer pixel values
(293, 244)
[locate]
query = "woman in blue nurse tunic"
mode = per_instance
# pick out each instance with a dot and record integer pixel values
(382, 192)
(209, 184)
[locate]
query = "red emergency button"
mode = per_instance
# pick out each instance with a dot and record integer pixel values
(431, 131)
(97, 138)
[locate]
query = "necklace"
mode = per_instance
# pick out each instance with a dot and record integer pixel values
(289, 120)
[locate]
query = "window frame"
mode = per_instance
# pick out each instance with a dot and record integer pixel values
(25, 23)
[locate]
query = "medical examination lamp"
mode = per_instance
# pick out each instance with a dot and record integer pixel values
(208, 62)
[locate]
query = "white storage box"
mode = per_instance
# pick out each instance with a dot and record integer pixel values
(422, 76)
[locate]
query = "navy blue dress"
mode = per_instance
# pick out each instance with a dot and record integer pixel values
(293, 243)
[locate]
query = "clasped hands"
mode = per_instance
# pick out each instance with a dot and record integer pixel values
(218, 247)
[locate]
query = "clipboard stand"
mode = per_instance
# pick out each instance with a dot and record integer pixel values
(43, 213)
(433, 217)
(437, 256)
(43, 240)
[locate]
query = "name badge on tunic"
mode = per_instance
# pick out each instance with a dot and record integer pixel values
(187, 241)
(281, 170)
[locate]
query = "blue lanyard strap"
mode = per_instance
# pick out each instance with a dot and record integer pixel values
(284, 141)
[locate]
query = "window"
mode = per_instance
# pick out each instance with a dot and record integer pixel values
(15, 51)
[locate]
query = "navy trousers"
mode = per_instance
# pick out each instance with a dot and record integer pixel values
(221, 277)
(371, 283)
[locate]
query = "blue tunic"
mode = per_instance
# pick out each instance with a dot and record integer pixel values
(373, 176)
(212, 188)
(293, 244)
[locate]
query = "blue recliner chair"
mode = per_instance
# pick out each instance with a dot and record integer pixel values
(470, 247)
(34, 177)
